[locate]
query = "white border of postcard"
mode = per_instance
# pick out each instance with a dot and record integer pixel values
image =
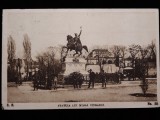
(73, 105)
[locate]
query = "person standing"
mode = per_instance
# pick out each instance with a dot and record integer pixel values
(80, 80)
(55, 83)
(49, 81)
(102, 77)
(16, 77)
(107, 77)
(37, 79)
(35, 82)
(92, 78)
(75, 80)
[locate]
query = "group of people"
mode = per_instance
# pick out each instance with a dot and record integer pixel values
(48, 82)
(78, 79)
(102, 77)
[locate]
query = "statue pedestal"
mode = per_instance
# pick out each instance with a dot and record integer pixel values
(73, 64)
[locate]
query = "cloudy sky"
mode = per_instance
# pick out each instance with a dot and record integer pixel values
(99, 27)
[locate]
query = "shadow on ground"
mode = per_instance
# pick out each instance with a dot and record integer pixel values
(144, 95)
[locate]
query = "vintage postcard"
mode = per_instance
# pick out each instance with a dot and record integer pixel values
(80, 58)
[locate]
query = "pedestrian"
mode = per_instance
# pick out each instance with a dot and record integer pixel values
(19, 79)
(80, 80)
(55, 83)
(75, 80)
(35, 78)
(107, 77)
(97, 77)
(92, 78)
(117, 77)
(16, 78)
(40, 78)
(102, 77)
(49, 82)
(34, 82)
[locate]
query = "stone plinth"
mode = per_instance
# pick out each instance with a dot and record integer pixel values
(74, 64)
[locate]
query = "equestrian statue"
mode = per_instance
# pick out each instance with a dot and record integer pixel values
(75, 44)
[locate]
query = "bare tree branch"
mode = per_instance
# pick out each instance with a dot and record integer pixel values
(134, 49)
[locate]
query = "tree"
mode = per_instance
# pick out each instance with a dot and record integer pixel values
(63, 53)
(152, 51)
(134, 49)
(48, 62)
(116, 51)
(11, 49)
(122, 51)
(143, 51)
(27, 51)
(143, 69)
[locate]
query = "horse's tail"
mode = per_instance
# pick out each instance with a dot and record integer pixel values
(85, 47)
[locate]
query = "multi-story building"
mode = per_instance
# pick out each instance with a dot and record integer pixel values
(100, 59)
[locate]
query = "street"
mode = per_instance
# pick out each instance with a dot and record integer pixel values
(127, 91)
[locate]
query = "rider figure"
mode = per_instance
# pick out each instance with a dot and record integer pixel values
(77, 37)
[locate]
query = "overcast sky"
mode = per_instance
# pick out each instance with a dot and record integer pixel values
(106, 27)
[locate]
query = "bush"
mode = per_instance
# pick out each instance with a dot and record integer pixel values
(74, 76)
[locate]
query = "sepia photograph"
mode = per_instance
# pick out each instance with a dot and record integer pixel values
(80, 58)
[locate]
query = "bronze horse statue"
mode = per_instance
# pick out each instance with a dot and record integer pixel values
(71, 45)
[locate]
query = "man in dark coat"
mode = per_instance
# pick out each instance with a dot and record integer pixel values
(80, 80)
(74, 77)
(92, 78)
(102, 77)
(35, 81)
